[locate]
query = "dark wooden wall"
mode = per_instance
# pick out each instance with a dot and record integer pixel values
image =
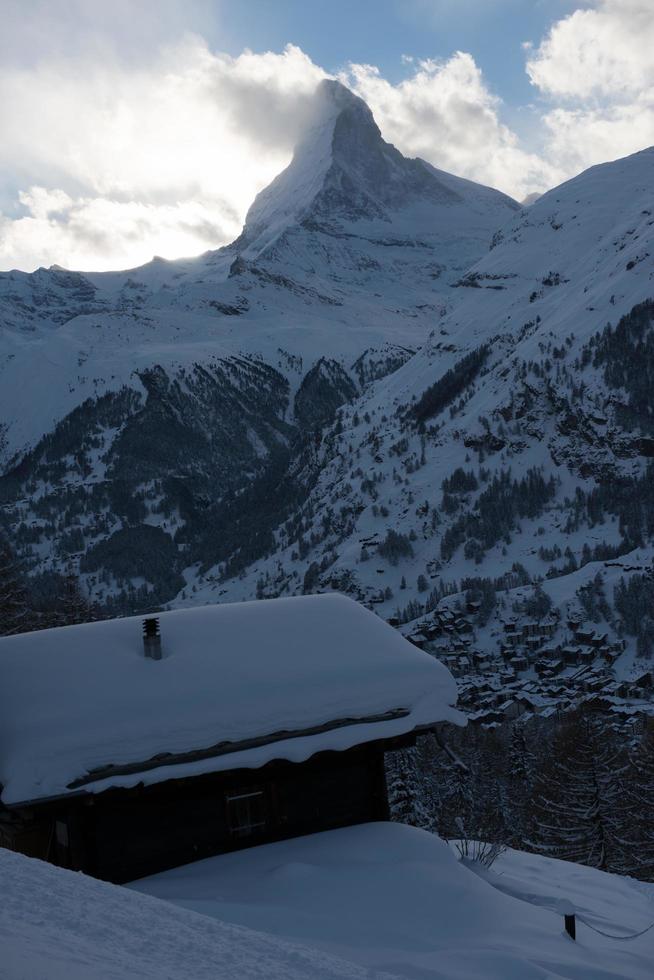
(124, 834)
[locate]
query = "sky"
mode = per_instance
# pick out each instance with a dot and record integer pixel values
(146, 127)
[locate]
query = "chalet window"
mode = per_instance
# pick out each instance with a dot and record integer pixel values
(61, 833)
(246, 812)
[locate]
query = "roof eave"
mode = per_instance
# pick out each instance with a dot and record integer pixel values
(77, 792)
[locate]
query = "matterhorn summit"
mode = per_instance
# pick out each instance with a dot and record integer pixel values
(343, 173)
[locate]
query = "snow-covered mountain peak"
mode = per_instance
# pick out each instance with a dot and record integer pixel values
(293, 190)
(577, 257)
(343, 173)
(346, 263)
(333, 99)
(341, 134)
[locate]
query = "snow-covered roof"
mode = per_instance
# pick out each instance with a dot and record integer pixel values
(82, 708)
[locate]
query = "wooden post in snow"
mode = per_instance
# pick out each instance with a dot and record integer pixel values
(567, 910)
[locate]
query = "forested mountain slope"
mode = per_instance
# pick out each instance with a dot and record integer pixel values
(517, 443)
(147, 415)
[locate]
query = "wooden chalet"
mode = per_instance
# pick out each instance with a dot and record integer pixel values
(131, 746)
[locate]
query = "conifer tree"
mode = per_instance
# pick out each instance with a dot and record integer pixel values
(404, 797)
(455, 797)
(521, 767)
(640, 789)
(490, 816)
(581, 811)
(13, 597)
(72, 607)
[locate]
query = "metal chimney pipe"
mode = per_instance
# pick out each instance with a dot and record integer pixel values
(151, 638)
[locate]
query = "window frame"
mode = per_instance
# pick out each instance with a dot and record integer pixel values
(244, 823)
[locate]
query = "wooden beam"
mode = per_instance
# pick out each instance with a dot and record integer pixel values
(227, 748)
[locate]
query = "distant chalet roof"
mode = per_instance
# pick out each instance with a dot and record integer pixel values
(82, 709)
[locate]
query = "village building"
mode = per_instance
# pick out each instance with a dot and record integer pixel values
(550, 651)
(548, 627)
(586, 655)
(644, 680)
(131, 746)
(584, 636)
(571, 655)
(418, 640)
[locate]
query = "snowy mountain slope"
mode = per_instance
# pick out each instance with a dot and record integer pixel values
(193, 381)
(350, 217)
(393, 898)
(45, 297)
(60, 925)
(522, 428)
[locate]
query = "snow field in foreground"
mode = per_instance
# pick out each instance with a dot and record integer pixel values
(60, 925)
(363, 902)
(393, 898)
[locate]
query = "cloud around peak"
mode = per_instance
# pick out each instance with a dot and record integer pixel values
(161, 152)
(444, 112)
(108, 160)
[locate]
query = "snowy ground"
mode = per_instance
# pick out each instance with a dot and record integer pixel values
(392, 898)
(364, 903)
(608, 902)
(58, 925)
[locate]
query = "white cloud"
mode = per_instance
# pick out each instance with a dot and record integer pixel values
(165, 157)
(597, 65)
(445, 114)
(107, 158)
(604, 52)
(100, 233)
(189, 139)
(579, 138)
(120, 31)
